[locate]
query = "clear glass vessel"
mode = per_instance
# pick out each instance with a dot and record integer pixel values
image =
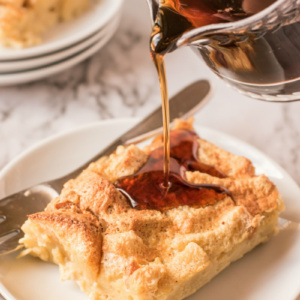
(259, 55)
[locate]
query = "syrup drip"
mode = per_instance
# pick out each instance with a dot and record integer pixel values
(145, 189)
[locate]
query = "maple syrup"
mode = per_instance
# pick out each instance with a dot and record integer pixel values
(262, 64)
(158, 60)
(145, 189)
(160, 184)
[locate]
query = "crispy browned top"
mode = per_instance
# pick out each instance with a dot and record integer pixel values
(121, 242)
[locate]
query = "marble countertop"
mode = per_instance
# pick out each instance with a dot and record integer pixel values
(120, 81)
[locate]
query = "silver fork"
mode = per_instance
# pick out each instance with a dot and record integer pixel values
(15, 208)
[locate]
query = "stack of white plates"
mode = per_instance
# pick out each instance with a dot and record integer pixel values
(63, 46)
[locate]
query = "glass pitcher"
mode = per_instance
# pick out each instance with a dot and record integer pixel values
(259, 55)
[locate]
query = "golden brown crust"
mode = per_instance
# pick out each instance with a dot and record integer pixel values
(228, 163)
(148, 254)
(78, 234)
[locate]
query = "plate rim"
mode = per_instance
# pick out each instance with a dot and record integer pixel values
(55, 136)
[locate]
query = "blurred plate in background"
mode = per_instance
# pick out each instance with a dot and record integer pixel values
(54, 57)
(64, 46)
(68, 33)
(39, 72)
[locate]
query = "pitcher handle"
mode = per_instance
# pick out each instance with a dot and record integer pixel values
(153, 6)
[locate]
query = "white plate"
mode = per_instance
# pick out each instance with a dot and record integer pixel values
(42, 72)
(55, 57)
(69, 33)
(271, 271)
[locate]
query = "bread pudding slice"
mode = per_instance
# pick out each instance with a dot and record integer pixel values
(114, 251)
(23, 21)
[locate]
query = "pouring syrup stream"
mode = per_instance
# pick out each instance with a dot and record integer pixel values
(160, 66)
(160, 184)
